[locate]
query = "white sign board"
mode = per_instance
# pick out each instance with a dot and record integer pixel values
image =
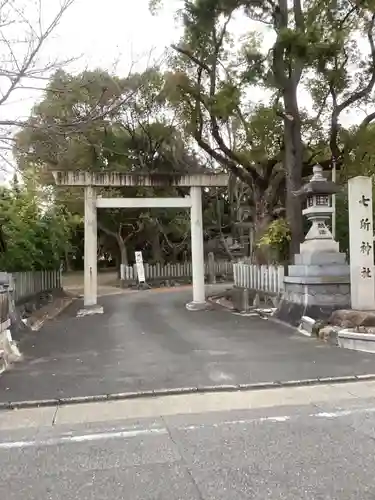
(361, 243)
(140, 268)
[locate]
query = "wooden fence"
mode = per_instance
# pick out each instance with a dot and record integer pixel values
(267, 279)
(31, 283)
(16, 287)
(180, 270)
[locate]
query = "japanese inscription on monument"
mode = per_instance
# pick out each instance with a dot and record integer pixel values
(361, 242)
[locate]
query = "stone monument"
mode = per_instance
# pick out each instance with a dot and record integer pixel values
(318, 281)
(358, 324)
(361, 243)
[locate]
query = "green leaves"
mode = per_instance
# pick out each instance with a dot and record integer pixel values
(36, 235)
(225, 101)
(277, 237)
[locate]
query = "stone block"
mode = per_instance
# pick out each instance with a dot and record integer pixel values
(317, 280)
(322, 270)
(307, 325)
(318, 294)
(364, 342)
(320, 258)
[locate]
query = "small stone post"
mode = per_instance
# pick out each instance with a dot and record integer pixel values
(361, 241)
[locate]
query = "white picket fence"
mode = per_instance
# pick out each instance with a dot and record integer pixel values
(268, 279)
(175, 271)
(31, 283)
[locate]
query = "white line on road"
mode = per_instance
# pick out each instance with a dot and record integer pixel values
(125, 434)
(343, 413)
(81, 438)
(282, 418)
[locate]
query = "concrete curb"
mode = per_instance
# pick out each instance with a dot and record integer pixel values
(38, 324)
(17, 405)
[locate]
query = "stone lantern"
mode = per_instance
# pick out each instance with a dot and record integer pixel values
(317, 195)
(318, 281)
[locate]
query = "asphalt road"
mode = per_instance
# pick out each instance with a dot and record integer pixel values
(149, 341)
(318, 451)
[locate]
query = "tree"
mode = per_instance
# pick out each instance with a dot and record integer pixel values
(136, 137)
(24, 33)
(25, 28)
(315, 48)
(36, 236)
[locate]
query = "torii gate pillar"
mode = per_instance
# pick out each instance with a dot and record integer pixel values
(197, 250)
(91, 244)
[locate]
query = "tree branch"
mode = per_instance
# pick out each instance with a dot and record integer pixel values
(364, 92)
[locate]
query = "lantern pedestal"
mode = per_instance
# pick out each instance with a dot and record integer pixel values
(316, 285)
(318, 281)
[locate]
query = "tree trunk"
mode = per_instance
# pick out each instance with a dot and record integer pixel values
(123, 251)
(261, 223)
(124, 259)
(157, 253)
(293, 157)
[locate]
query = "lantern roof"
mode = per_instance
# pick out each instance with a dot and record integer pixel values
(317, 185)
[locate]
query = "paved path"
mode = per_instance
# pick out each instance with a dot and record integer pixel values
(108, 283)
(149, 341)
(319, 451)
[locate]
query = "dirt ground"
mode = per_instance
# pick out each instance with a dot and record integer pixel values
(108, 283)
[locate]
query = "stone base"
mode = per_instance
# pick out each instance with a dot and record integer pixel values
(364, 342)
(90, 310)
(9, 352)
(316, 300)
(197, 306)
(320, 258)
(292, 313)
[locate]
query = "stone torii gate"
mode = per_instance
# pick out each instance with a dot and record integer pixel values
(90, 181)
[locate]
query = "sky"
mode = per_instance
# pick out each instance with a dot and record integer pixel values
(114, 35)
(110, 34)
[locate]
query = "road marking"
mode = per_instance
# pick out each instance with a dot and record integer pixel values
(281, 418)
(81, 438)
(125, 434)
(343, 413)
